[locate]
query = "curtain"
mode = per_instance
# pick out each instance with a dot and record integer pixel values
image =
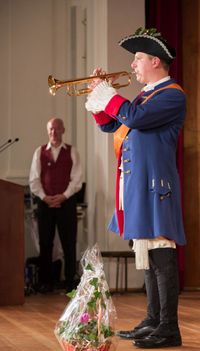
(166, 16)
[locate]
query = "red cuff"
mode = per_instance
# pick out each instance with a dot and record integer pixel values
(102, 118)
(111, 110)
(114, 105)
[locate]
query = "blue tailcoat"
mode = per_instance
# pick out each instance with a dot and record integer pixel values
(152, 205)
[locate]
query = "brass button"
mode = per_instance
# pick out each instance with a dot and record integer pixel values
(127, 172)
(126, 149)
(126, 138)
(124, 118)
(126, 160)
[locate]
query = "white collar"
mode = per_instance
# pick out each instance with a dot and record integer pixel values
(49, 146)
(153, 85)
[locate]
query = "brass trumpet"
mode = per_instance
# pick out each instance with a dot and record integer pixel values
(71, 85)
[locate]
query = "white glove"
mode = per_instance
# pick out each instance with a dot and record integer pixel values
(100, 97)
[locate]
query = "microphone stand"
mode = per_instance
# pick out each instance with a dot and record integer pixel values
(8, 144)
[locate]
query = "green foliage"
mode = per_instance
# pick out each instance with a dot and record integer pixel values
(150, 31)
(89, 267)
(107, 331)
(71, 294)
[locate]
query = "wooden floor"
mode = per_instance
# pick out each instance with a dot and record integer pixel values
(30, 327)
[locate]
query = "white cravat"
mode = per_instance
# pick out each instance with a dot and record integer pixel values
(151, 86)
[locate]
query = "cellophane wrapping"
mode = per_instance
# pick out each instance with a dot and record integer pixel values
(88, 321)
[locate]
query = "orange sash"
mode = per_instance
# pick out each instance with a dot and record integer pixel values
(123, 130)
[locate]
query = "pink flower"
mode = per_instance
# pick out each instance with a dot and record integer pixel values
(85, 317)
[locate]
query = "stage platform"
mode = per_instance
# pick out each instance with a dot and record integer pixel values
(31, 326)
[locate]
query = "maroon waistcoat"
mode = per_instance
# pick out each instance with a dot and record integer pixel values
(55, 176)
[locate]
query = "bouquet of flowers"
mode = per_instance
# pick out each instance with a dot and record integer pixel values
(87, 323)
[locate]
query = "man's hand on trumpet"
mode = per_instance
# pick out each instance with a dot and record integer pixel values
(96, 81)
(102, 91)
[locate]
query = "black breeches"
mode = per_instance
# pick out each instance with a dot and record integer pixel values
(162, 286)
(65, 220)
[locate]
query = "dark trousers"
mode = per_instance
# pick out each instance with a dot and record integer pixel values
(162, 287)
(65, 219)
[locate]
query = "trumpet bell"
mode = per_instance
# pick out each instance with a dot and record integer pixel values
(71, 86)
(52, 85)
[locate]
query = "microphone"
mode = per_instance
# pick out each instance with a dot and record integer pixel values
(8, 144)
(4, 144)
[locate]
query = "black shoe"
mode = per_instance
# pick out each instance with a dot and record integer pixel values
(156, 341)
(135, 333)
(144, 328)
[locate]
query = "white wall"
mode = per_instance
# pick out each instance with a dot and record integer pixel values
(33, 43)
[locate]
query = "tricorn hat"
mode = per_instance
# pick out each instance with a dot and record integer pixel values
(149, 41)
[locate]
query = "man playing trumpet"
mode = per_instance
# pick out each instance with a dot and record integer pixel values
(148, 206)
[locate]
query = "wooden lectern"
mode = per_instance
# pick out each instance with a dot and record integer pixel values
(11, 243)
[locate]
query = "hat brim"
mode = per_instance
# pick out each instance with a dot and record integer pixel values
(148, 46)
